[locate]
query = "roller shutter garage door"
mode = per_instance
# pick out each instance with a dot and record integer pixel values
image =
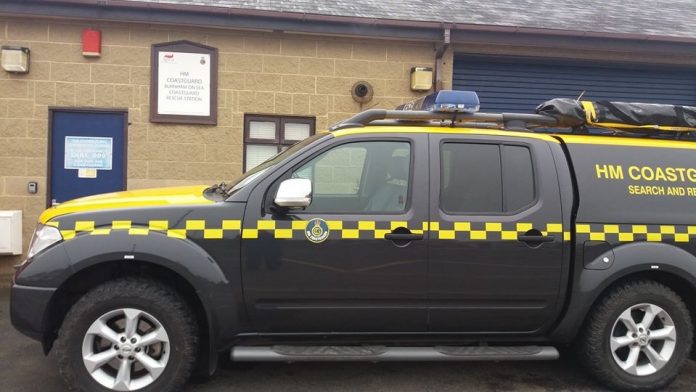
(519, 84)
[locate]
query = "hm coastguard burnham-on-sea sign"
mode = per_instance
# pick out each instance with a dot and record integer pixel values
(184, 84)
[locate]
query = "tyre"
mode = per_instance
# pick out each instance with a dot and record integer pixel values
(126, 335)
(637, 337)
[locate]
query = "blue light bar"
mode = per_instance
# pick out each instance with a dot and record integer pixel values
(445, 101)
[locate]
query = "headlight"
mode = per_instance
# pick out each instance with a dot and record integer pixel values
(44, 236)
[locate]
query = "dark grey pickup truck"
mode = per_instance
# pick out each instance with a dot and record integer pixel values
(441, 235)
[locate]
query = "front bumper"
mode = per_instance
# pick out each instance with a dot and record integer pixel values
(28, 308)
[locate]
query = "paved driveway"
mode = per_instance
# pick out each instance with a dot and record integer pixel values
(24, 368)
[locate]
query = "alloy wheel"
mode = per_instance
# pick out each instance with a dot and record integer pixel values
(126, 349)
(643, 339)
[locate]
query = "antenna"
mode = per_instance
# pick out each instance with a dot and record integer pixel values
(580, 96)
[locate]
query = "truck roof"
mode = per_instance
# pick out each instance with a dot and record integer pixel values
(437, 129)
(549, 137)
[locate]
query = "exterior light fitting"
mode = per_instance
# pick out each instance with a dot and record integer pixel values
(15, 59)
(421, 78)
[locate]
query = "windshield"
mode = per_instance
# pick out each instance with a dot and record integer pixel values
(256, 172)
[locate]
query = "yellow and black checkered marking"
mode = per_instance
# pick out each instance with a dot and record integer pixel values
(338, 229)
(488, 231)
(473, 231)
(630, 232)
(191, 227)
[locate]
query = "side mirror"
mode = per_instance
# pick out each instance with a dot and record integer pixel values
(294, 193)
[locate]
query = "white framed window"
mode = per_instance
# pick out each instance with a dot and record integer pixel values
(265, 136)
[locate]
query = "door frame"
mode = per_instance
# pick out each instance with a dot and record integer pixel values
(54, 109)
(539, 154)
(257, 202)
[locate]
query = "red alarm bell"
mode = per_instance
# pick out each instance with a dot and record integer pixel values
(91, 43)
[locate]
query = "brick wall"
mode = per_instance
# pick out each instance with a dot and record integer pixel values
(268, 73)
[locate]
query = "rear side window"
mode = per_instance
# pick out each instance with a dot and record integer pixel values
(518, 177)
(471, 178)
(485, 178)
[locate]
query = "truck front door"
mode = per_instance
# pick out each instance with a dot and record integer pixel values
(333, 267)
(496, 234)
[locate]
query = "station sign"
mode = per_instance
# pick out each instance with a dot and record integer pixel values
(184, 83)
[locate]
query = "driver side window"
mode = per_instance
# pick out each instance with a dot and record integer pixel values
(359, 177)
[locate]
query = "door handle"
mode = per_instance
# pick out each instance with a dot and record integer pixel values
(403, 236)
(536, 238)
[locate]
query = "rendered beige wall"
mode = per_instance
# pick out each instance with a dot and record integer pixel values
(262, 73)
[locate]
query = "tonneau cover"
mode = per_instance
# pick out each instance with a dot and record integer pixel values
(639, 117)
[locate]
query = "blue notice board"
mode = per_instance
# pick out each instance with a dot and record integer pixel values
(89, 152)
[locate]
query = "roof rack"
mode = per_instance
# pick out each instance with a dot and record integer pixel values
(447, 107)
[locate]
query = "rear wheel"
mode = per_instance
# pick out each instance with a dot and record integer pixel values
(127, 335)
(637, 337)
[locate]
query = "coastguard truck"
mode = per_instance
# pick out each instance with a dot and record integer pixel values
(430, 233)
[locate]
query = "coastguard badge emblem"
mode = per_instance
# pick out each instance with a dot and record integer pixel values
(317, 230)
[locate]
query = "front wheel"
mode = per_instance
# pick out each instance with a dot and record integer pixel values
(637, 337)
(127, 335)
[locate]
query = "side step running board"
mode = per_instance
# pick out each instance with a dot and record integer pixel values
(386, 353)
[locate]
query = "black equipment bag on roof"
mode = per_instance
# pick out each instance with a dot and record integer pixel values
(571, 113)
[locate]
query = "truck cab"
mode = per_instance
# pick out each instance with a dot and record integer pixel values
(420, 230)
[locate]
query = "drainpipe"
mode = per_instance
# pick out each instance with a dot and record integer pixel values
(438, 58)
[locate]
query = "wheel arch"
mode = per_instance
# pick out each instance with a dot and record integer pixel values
(680, 285)
(659, 262)
(90, 277)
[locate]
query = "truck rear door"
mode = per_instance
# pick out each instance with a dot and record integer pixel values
(496, 233)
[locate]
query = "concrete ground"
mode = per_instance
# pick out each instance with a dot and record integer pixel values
(24, 368)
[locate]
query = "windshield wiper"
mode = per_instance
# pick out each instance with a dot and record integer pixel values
(219, 189)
